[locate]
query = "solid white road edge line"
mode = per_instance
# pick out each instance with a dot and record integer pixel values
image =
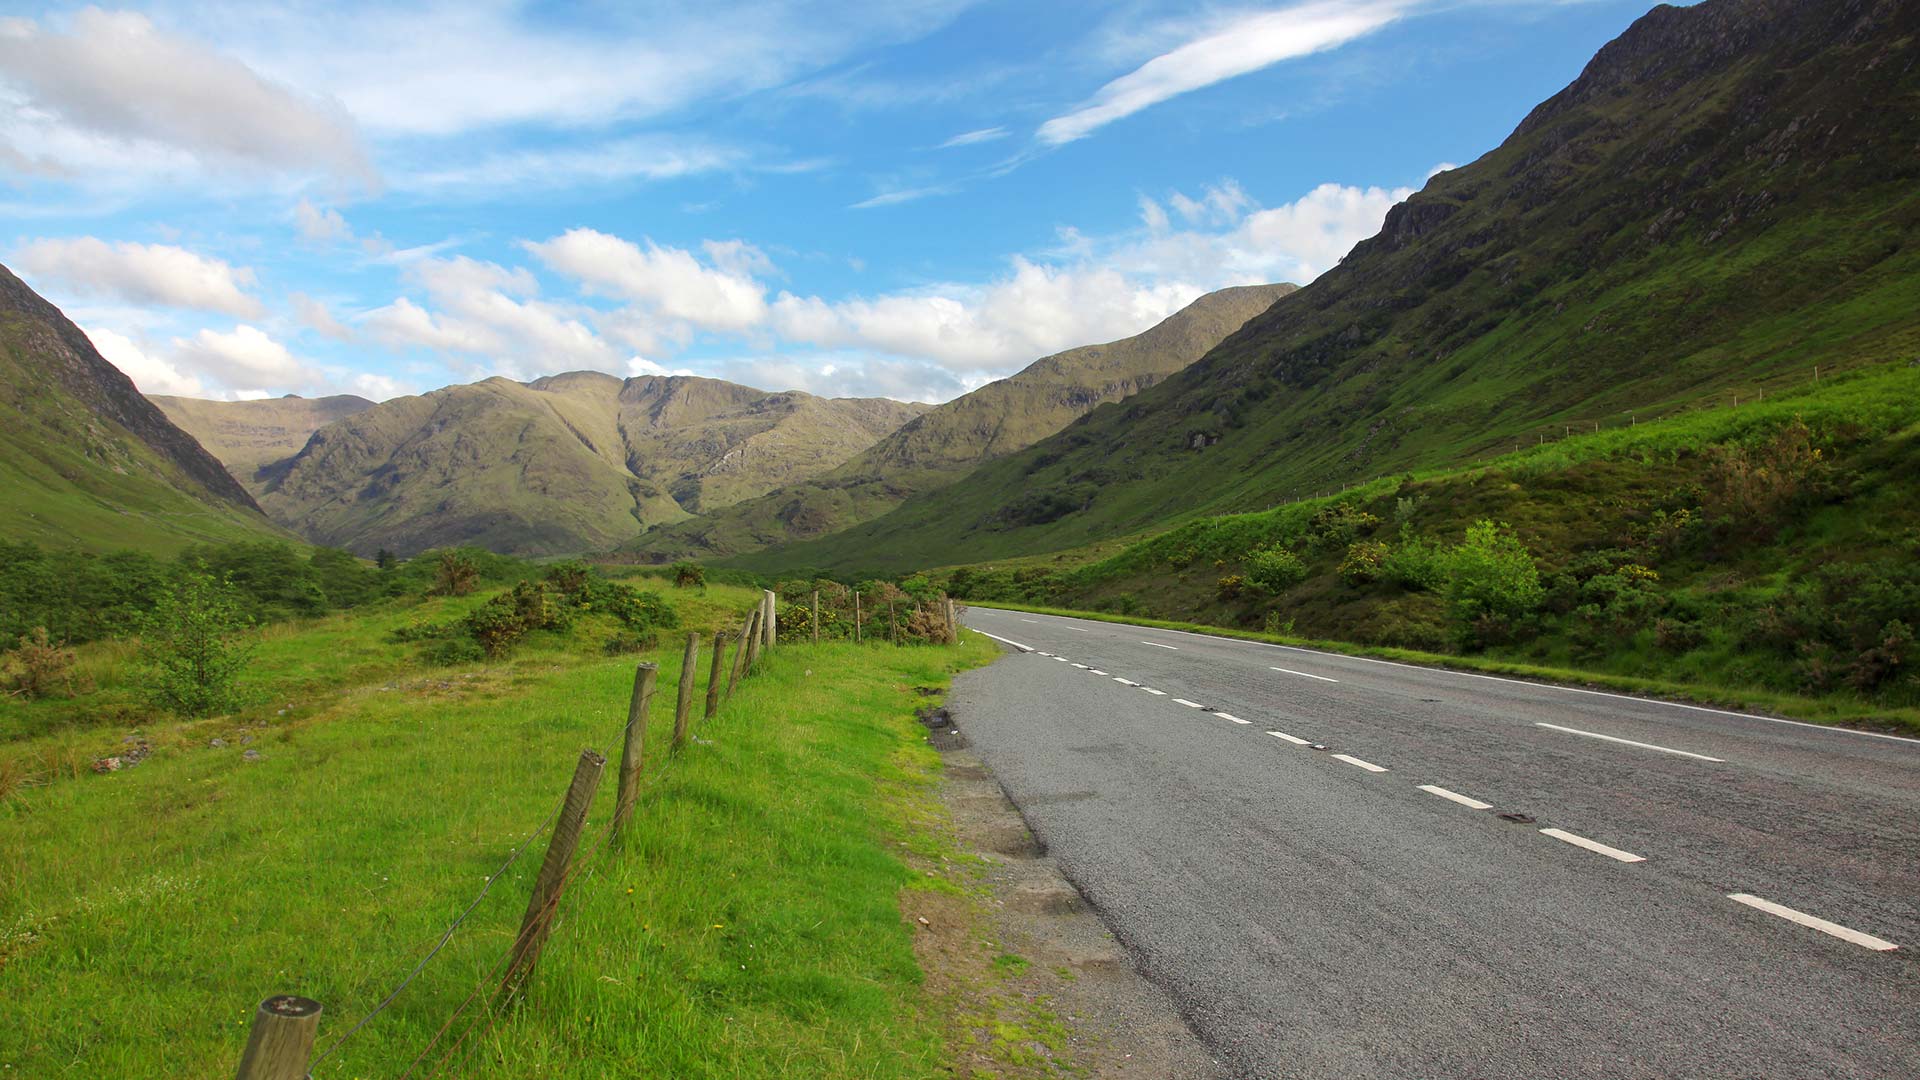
(1294, 739)
(1594, 846)
(1008, 641)
(1157, 645)
(1367, 765)
(1302, 674)
(1865, 941)
(1627, 742)
(1189, 704)
(1454, 796)
(1516, 682)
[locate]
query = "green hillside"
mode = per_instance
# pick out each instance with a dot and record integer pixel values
(85, 460)
(1725, 199)
(943, 445)
(247, 435)
(567, 463)
(1774, 546)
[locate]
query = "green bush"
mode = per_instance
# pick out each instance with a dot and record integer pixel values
(688, 575)
(1492, 584)
(1339, 525)
(1230, 586)
(1415, 565)
(1365, 562)
(191, 645)
(37, 666)
(1274, 570)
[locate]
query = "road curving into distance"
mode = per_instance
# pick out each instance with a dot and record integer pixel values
(1344, 867)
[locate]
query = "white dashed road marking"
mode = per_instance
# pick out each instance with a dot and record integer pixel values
(1294, 739)
(1230, 716)
(1096, 671)
(1454, 796)
(1594, 846)
(1302, 674)
(1035, 622)
(1367, 765)
(1082, 667)
(1124, 682)
(1865, 941)
(1006, 641)
(1157, 645)
(1626, 742)
(1189, 704)
(1157, 693)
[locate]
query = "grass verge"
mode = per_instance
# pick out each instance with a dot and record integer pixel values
(747, 924)
(1812, 710)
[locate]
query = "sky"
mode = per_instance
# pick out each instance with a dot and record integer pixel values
(907, 198)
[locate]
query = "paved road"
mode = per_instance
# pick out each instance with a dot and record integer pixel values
(1330, 890)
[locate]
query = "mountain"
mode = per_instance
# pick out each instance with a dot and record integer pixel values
(246, 435)
(949, 441)
(567, 463)
(85, 459)
(1727, 197)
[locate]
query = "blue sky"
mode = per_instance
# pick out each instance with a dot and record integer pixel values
(907, 198)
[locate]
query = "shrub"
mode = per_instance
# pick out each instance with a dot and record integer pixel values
(502, 621)
(1749, 489)
(1364, 562)
(1491, 584)
(1339, 525)
(1678, 635)
(1416, 565)
(688, 575)
(453, 650)
(572, 577)
(455, 575)
(1275, 570)
(1231, 586)
(191, 647)
(1880, 663)
(1405, 507)
(38, 665)
(624, 644)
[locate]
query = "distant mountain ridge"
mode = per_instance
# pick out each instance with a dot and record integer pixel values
(1727, 196)
(949, 440)
(247, 435)
(85, 458)
(562, 464)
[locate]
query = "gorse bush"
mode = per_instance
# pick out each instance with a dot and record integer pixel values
(1365, 561)
(38, 667)
(1274, 570)
(688, 575)
(193, 645)
(456, 574)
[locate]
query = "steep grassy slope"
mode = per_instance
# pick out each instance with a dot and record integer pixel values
(1725, 198)
(567, 463)
(86, 460)
(247, 435)
(946, 443)
(1773, 546)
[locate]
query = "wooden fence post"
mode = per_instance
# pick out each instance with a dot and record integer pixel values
(281, 1039)
(856, 616)
(953, 625)
(683, 705)
(816, 616)
(772, 624)
(759, 639)
(747, 631)
(633, 744)
(893, 628)
(538, 920)
(713, 675)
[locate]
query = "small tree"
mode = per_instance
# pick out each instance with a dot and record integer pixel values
(385, 560)
(190, 644)
(38, 665)
(456, 574)
(1491, 583)
(688, 575)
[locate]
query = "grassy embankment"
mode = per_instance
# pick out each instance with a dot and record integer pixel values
(747, 926)
(1765, 555)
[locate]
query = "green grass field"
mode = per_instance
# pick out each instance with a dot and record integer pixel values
(746, 926)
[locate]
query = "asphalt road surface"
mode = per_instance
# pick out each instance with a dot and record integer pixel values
(1309, 851)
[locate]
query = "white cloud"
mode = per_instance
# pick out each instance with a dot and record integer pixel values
(151, 374)
(903, 195)
(142, 273)
(377, 387)
(244, 360)
(1243, 44)
(315, 316)
(636, 158)
(115, 77)
(640, 365)
(320, 225)
(670, 284)
(971, 138)
(486, 310)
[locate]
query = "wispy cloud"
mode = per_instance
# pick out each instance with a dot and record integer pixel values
(1241, 45)
(904, 195)
(969, 138)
